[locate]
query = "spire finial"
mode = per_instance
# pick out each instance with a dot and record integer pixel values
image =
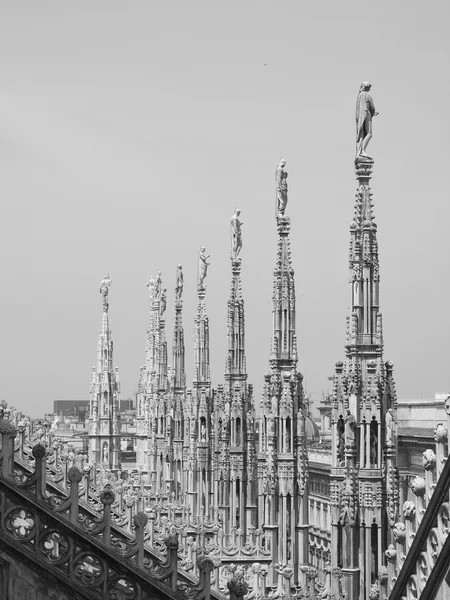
(104, 291)
(202, 268)
(236, 234)
(365, 110)
(282, 188)
(179, 284)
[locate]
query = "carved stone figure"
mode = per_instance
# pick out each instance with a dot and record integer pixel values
(105, 406)
(341, 449)
(349, 428)
(418, 486)
(236, 234)
(151, 287)
(202, 266)
(440, 434)
(158, 286)
(282, 188)
(179, 283)
(365, 110)
(203, 433)
(390, 425)
(104, 289)
(428, 459)
(105, 453)
(163, 302)
(399, 532)
(409, 509)
(373, 448)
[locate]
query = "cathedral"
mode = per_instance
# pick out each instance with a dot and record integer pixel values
(229, 499)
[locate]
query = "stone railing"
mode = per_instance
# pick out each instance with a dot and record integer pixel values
(76, 490)
(420, 558)
(85, 550)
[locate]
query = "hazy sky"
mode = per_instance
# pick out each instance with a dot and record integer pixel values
(131, 130)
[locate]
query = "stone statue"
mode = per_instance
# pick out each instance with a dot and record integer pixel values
(236, 234)
(104, 289)
(151, 287)
(105, 453)
(390, 425)
(350, 422)
(202, 267)
(179, 283)
(203, 433)
(282, 188)
(163, 303)
(158, 286)
(365, 110)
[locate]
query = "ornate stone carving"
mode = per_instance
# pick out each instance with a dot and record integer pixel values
(429, 459)
(236, 234)
(202, 267)
(282, 188)
(104, 290)
(365, 110)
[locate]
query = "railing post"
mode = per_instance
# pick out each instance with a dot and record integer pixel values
(39, 457)
(107, 498)
(129, 503)
(7, 432)
(171, 541)
(63, 460)
(87, 481)
(21, 428)
(205, 566)
(74, 476)
(140, 521)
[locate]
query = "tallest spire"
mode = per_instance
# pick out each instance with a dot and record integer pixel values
(363, 474)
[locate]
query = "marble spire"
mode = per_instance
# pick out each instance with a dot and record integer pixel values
(104, 418)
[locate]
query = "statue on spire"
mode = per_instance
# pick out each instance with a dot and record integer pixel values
(179, 283)
(202, 267)
(365, 110)
(104, 290)
(151, 283)
(163, 302)
(158, 286)
(282, 188)
(236, 234)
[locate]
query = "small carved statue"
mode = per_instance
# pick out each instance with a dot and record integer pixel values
(390, 425)
(373, 448)
(365, 110)
(341, 449)
(163, 302)
(202, 266)
(151, 283)
(282, 188)
(236, 234)
(203, 433)
(158, 286)
(179, 283)
(350, 422)
(104, 289)
(105, 453)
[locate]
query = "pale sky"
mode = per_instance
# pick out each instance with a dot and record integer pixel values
(129, 133)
